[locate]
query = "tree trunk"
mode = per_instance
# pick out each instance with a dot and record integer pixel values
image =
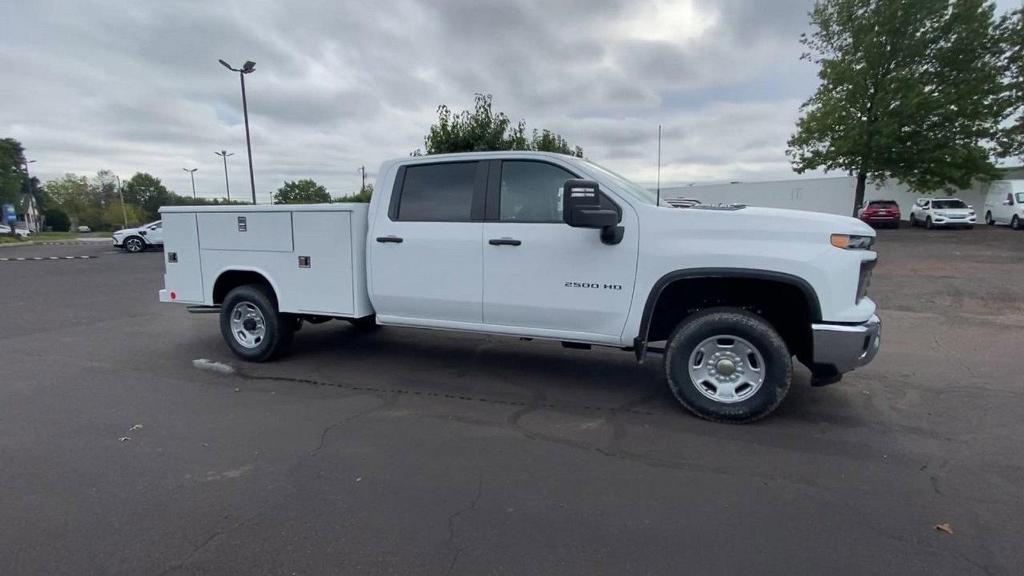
(858, 195)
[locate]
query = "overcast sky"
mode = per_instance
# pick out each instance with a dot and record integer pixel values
(135, 86)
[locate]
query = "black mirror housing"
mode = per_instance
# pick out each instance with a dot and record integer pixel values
(581, 205)
(581, 208)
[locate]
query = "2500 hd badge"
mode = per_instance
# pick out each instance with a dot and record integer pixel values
(593, 285)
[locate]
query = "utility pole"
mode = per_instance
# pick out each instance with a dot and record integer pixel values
(224, 154)
(120, 193)
(246, 68)
(192, 173)
(362, 170)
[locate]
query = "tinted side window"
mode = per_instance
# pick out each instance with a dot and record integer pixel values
(531, 192)
(437, 192)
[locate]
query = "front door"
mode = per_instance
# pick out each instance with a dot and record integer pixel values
(543, 275)
(425, 250)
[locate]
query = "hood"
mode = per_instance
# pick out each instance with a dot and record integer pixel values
(748, 221)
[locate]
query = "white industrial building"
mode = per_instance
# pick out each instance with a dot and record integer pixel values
(830, 194)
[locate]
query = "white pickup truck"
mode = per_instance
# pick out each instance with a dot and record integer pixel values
(545, 246)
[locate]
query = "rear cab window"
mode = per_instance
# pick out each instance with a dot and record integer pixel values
(435, 192)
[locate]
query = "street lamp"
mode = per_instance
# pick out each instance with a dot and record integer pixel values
(192, 173)
(246, 68)
(28, 186)
(224, 154)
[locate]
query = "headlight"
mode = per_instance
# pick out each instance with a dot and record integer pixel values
(940, 214)
(866, 268)
(852, 241)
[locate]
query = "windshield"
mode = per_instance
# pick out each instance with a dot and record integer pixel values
(948, 204)
(624, 185)
(1020, 197)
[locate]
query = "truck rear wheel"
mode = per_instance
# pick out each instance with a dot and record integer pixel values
(728, 365)
(251, 325)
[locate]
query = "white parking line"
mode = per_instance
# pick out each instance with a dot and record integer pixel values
(38, 258)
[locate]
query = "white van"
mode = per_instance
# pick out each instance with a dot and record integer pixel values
(1005, 203)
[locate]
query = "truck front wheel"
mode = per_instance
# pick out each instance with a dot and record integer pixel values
(728, 365)
(251, 325)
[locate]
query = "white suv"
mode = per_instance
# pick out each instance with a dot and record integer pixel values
(942, 212)
(138, 239)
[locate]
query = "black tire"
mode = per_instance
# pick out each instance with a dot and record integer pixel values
(738, 324)
(989, 220)
(928, 223)
(364, 324)
(1015, 223)
(913, 221)
(134, 244)
(278, 329)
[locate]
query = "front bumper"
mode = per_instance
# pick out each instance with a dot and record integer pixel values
(839, 348)
(946, 221)
(117, 241)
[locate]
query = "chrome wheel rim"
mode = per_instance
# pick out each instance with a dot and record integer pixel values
(248, 325)
(726, 369)
(134, 244)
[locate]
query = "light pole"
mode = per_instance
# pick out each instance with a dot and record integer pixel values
(28, 187)
(246, 68)
(120, 193)
(192, 173)
(224, 154)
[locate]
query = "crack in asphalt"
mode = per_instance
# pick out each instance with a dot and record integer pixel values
(387, 400)
(534, 404)
(450, 544)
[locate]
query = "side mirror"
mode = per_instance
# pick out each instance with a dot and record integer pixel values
(1006, 202)
(581, 208)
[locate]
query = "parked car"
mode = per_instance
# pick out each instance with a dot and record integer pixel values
(20, 232)
(1004, 203)
(138, 239)
(84, 229)
(942, 212)
(880, 213)
(545, 246)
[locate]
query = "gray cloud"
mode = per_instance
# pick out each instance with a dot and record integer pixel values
(136, 86)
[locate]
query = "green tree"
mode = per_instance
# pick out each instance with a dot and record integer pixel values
(72, 195)
(910, 89)
(114, 216)
(364, 195)
(305, 191)
(1011, 30)
(483, 129)
(58, 220)
(12, 170)
(148, 193)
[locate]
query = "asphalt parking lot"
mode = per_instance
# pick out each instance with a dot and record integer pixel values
(414, 452)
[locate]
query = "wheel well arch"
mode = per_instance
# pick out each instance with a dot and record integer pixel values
(228, 280)
(786, 301)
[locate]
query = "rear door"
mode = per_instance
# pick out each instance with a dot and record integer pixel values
(543, 277)
(425, 248)
(183, 272)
